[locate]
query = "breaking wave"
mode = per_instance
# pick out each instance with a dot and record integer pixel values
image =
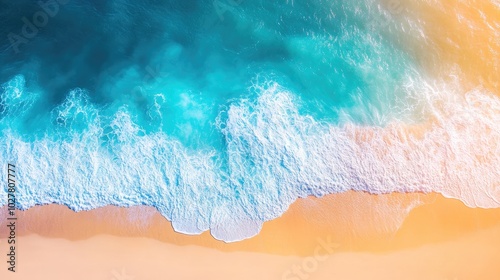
(273, 154)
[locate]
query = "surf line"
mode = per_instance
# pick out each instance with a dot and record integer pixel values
(11, 216)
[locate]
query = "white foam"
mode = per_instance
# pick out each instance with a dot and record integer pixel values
(273, 156)
(285, 148)
(15, 100)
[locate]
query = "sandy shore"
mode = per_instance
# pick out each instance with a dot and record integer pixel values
(358, 219)
(473, 256)
(440, 239)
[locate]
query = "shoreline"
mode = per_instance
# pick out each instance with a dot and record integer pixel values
(441, 239)
(360, 221)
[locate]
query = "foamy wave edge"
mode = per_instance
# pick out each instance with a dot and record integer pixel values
(274, 156)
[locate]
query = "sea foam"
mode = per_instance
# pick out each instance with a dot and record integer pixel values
(273, 155)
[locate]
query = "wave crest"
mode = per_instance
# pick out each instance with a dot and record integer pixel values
(273, 155)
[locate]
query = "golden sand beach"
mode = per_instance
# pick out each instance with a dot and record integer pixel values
(441, 239)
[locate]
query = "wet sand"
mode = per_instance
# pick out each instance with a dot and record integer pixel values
(359, 219)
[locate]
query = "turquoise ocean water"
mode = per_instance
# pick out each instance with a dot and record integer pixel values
(218, 113)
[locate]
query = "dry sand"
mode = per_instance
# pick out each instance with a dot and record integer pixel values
(441, 239)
